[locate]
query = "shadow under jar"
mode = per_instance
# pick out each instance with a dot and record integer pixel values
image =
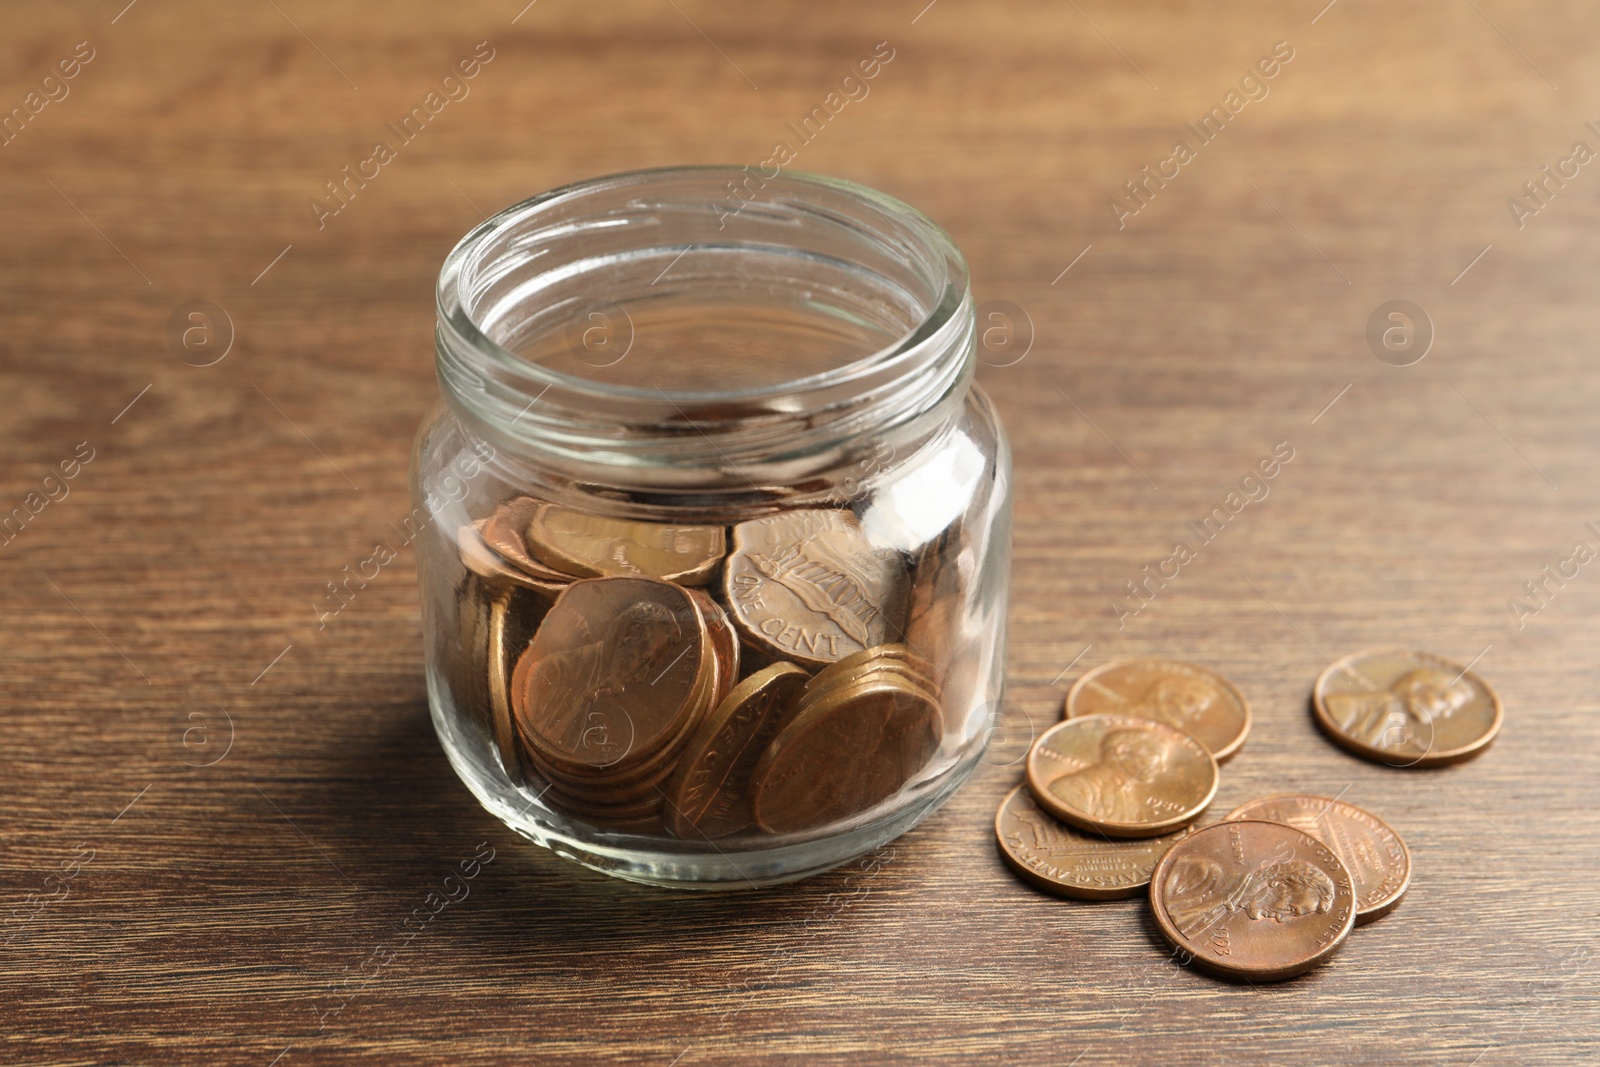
(713, 524)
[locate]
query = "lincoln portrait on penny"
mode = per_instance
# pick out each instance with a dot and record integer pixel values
(1117, 787)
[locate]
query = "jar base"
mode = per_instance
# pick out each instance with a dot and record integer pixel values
(639, 859)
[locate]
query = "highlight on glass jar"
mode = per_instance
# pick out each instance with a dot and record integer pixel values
(718, 524)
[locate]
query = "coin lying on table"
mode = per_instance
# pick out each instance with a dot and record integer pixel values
(1377, 860)
(809, 586)
(1406, 709)
(592, 546)
(1195, 700)
(1120, 775)
(710, 793)
(1064, 861)
(1254, 900)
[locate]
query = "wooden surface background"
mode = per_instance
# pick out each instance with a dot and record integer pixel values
(215, 816)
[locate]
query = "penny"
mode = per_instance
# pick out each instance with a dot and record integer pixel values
(1120, 775)
(843, 754)
(1061, 860)
(505, 734)
(1406, 709)
(595, 546)
(1378, 861)
(724, 640)
(612, 672)
(710, 794)
(1195, 700)
(491, 566)
(1253, 900)
(809, 586)
(505, 533)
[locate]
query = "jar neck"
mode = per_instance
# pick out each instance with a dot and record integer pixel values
(592, 258)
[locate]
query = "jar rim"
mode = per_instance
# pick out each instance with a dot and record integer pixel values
(541, 410)
(452, 308)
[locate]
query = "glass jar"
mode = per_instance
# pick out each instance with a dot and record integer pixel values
(715, 524)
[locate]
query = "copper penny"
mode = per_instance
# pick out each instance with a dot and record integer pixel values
(1063, 861)
(612, 672)
(724, 640)
(595, 546)
(1406, 709)
(1378, 861)
(1195, 700)
(809, 586)
(504, 532)
(491, 565)
(1254, 900)
(505, 734)
(1121, 776)
(843, 754)
(710, 794)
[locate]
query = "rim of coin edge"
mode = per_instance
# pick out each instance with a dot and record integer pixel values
(1176, 940)
(1116, 829)
(692, 577)
(1384, 756)
(1066, 890)
(1228, 751)
(1363, 916)
(711, 725)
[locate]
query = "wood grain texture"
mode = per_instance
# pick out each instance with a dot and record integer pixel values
(227, 909)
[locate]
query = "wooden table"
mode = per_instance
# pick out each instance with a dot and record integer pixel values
(174, 899)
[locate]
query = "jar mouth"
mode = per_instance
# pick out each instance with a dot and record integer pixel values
(760, 313)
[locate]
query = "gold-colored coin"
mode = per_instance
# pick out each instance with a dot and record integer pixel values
(505, 732)
(1406, 709)
(1068, 863)
(1253, 900)
(1195, 700)
(809, 586)
(1121, 776)
(844, 753)
(595, 546)
(1378, 861)
(710, 794)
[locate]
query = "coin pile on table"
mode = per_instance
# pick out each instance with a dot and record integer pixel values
(1114, 791)
(650, 678)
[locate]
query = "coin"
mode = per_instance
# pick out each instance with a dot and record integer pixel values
(1195, 700)
(1060, 860)
(809, 586)
(844, 753)
(491, 566)
(725, 642)
(1120, 775)
(595, 546)
(1252, 899)
(710, 794)
(505, 734)
(1378, 861)
(615, 668)
(505, 533)
(1406, 709)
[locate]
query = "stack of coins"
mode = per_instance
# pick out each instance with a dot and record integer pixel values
(644, 678)
(1113, 793)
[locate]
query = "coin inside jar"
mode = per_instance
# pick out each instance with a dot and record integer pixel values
(595, 546)
(844, 752)
(709, 795)
(616, 671)
(809, 586)
(1121, 776)
(1378, 861)
(1406, 709)
(1253, 900)
(1068, 863)
(1197, 701)
(504, 532)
